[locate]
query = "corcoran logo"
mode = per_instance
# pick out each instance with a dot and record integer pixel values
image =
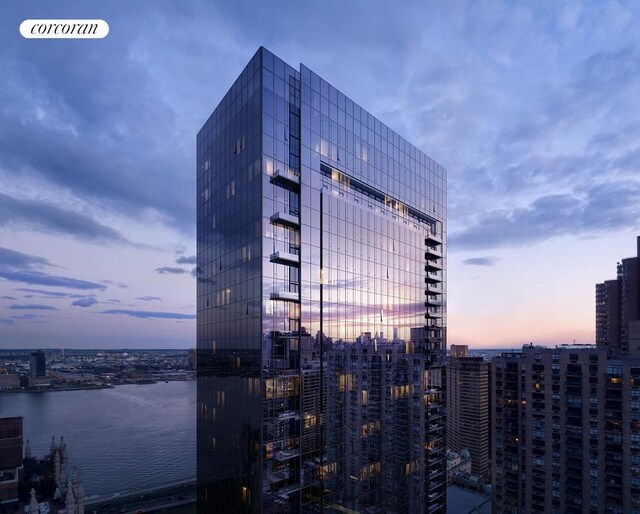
(64, 29)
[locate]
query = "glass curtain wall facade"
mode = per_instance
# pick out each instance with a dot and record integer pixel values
(321, 304)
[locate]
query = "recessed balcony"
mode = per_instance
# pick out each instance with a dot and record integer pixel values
(281, 257)
(286, 220)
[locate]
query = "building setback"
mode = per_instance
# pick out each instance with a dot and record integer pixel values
(321, 304)
(468, 410)
(566, 433)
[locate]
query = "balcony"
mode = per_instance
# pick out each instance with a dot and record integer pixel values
(286, 296)
(290, 414)
(434, 474)
(290, 259)
(433, 461)
(286, 454)
(433, 302)
(433, 265)
(433, 239)
(433, 278)
(285, 178)
(432, 315)
(286, 220)
(433, 289)
(432, 252)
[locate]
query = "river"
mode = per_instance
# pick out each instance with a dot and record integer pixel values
(124, 438)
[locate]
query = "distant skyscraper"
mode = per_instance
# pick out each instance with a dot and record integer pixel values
(468, 409)
(38, 364)
(618, 310)
(566, 432)
(320, 232)
(458, 350)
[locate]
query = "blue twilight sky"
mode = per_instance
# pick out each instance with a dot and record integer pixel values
(531, 106)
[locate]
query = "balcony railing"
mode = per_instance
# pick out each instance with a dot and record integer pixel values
(286, 178)
(285, 219)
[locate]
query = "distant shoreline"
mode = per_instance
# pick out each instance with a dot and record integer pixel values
(53, 390)
(85, 388)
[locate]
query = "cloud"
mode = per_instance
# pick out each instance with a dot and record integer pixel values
(121, 285)
(117, 140)
(8, 298)
(595, 210)
(28, 316)
(41, 293)
(19, 267)
(13, 259)
(183, 259)
(168, 269)
(43, 279)
(33, 306)
(40, 215)
(480, 261)
(85, 302)
(148, 298)
(150, 314)
(7, 321)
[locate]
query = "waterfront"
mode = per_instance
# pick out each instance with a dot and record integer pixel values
(123, 438)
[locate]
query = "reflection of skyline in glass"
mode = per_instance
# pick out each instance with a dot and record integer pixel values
(316, 219)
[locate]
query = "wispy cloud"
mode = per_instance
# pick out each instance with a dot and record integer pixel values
(43, 279)
(29, 316)
(171, 270)
(41, 293)
(33, 306)
(480, 261)
(39, 215)
(148, 298)
(120, 285)
(8, 298)
(13, 259)
(19, 267)
(150, 314)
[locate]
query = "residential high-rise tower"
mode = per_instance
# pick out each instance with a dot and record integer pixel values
(469, 410)
(321, 304)
(566, 432)
(618, 309)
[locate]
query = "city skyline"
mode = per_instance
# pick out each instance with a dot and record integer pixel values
(530, 111)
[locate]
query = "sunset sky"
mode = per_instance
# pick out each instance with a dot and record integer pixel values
(532, 108)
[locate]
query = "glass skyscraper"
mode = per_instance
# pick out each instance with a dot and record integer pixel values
(321, 304)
